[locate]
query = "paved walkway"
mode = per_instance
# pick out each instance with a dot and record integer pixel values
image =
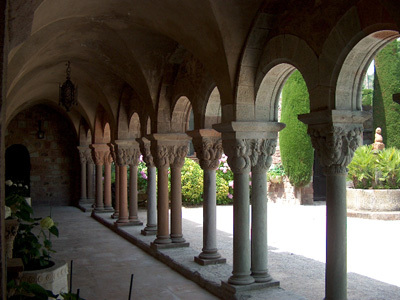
(103, 261)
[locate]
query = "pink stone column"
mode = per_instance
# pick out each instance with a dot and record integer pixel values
(116, 196)
(123, 196)
(162, 207)
(100, 154)
(107, 184)
(83, 162)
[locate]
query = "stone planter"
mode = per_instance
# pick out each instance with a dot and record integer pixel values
(11, 231)
(54, 278)
(373, 200)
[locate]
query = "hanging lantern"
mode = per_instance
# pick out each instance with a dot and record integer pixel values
(68, 92)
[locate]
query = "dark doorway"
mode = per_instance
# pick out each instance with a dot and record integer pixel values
(18, 165)
(319, 181)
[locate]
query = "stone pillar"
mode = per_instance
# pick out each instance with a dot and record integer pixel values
(133, 191)
(116, 184)
(125, 154)
(335, 135)
(100, 153)
(83, 161)
(180, 153)
(90, 176)
(208, 147)
(165, 148)
(261, 161)
(244, 143)
(107, 183)
(151, 226)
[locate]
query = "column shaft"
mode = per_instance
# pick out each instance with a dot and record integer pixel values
(259, 230)
(241, 235)
(336, 238)
(162, 208)
(209, 250)
(123, 195)
(83, 181)
(99, 187)
(176, 206)
(151, 225)
(107, 187)
(90, 174)
(116, 195)
(133, 195)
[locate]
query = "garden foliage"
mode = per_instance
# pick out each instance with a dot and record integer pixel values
(375, 169)
(386, 113)
(296, 150)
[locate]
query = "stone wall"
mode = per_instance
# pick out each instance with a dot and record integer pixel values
(55, 167)
(285, 193)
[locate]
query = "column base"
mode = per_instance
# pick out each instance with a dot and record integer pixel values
(122, 222)
(99, 209)
(177, 239)
(170, 245)
(240, 280)
(209, 261)
(115, 215)
(135, 222)
(261, 277)
(233, 289)
(108, 208)
(149, 230)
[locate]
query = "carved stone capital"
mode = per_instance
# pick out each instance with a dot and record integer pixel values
(238, 152)
(335, 145)
(127, 152)
(146, 152)
(169, 149)
(208, 146)
(100, 153)
(82, 154)
(261, 154)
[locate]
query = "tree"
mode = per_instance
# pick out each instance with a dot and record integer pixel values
(386, 113)
(296, 150)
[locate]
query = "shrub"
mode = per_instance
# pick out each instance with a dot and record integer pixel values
(386, 113)
(296, 150)
(192, 183)
(378, 170)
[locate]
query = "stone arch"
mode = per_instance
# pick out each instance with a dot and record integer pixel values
(348, 50)
(18, 165)
(102, 133)
(85, 136)
(281, 56)
(134, 126)
(180, 115)
(213, 109)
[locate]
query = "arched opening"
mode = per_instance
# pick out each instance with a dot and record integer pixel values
(213, 109)
(18, 166)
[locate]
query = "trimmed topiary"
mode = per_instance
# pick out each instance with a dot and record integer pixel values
(295, 145)
(386, 113)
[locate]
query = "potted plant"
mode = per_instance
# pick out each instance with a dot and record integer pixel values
(276, 173)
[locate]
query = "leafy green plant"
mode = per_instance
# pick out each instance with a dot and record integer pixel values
(276, 171)
(192, 183)
(375, 169)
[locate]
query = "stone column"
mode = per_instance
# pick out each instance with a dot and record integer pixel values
(208, 147)
(243, 143)
(83, 161)
(180, 152)
(151, 226)
(107, 183)
(100, 152)
(116, 184)
(89, 176)
(335, 136)
(133, 191)
(124, 158)
(261, 161)
(164, 148)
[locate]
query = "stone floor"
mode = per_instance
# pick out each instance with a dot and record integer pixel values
(103, 261)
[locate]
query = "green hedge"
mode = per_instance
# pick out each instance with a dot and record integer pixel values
(386, 113)
(295, 145)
